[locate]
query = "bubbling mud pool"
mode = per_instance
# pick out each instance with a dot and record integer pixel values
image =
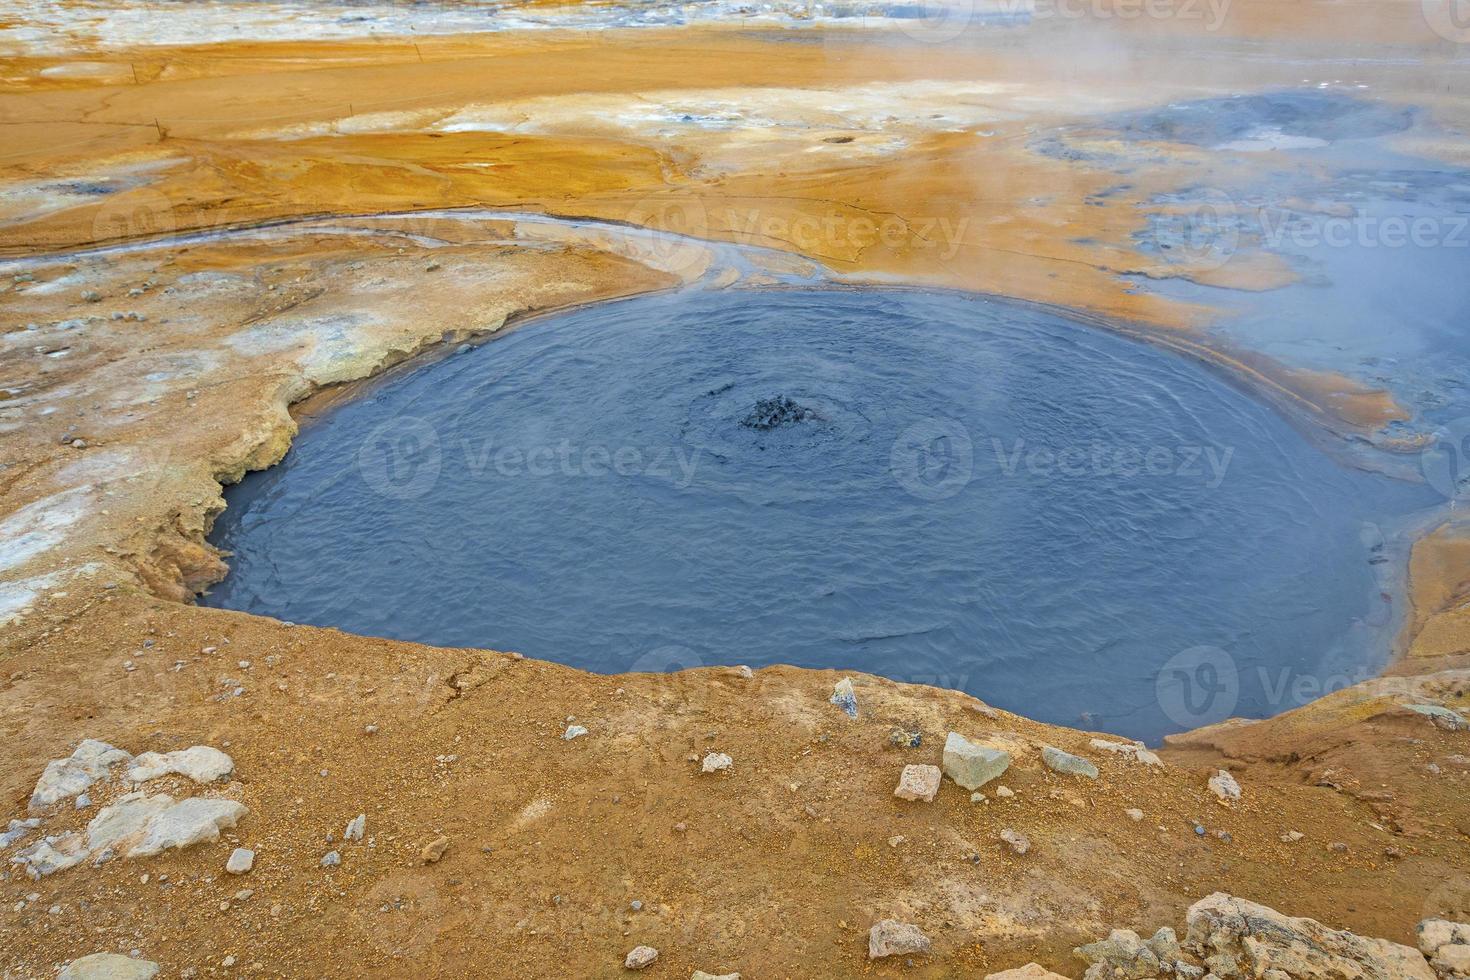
(938, 488)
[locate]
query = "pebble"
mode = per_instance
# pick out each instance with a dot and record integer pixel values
(1223, 785)
(434, 850)
(892, 938)
(1018, 842)
(1004, 792)
(845, 697)
(241, 861)
(331, 859)
(640, 957)
(1134, 814)
(716, 762)
(636, 905)
(918, 783)
(574, 731)
(356, 827)
(1292, 836)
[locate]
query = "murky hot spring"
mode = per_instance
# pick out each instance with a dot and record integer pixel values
(936, 488)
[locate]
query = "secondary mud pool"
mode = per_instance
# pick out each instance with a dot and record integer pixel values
(938, 488)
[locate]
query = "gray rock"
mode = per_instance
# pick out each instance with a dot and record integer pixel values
(918, 783)
(51, 854)
(192, 821)
(640, 958)
(716, 762)
(108, 966)
(1123, 954)
(331, 859)
(200, 763)
(65, 778)
(574, 731)
(1447, 946)
(1136, 751)
(892, 938)
(1165, 945)
(701, 975)
(971, 765)
(845, 697)
(1223, 785)
(124, 824)
(356, 827)
(1031, 971)
(241, 860)
(1442, 717)
(1238, 936)
(1064, 762)
(1018, 842)
(17, 830)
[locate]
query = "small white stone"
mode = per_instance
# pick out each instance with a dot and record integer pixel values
(241, 861)
(640, 957)
(1223, 785)
(716, 762)
(356, 827)
(574, 731)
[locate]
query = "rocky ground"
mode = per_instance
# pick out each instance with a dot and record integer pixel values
(732, 821)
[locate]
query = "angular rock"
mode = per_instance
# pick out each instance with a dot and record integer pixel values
(108, 966)
(1031, 971)
(918, 783)
(1442, 717)
(1064, 762)
(1223, 785)
(1136, 751)
(971, 765)
(192, 821)
(1431, 934)
(716, 762)
(640, 957)
(356, 827)
(845, 697)
(65, 778)
(1257, 939)
(1447, 945)
(574, 731)
(17, 830)
(1018, 842)
(52, 854)
(1165, 945)
(1123, 954)
(331, 859)
(241, 860)
(701, 975)
(434, 850)
(200, 763)
(125, 823)
(892, 938)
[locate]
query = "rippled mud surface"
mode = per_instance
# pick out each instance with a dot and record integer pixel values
(956, 491)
